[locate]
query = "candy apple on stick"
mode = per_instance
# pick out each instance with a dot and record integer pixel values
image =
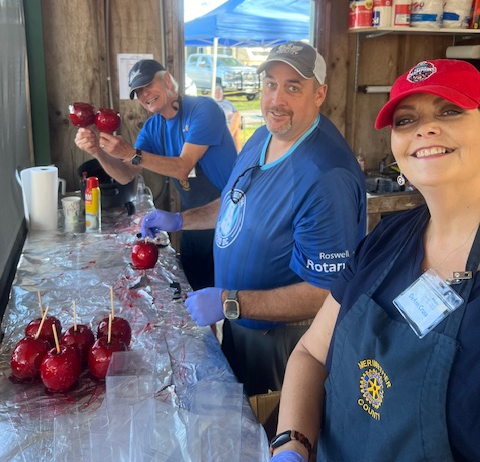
(120, 327)
(144, 255)
(101, 352)
(81, 114)
(79, 336)
(46, 332)
(107, 120)
(61, 366)
(28, 354)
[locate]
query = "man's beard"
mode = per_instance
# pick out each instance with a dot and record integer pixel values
(285, 128)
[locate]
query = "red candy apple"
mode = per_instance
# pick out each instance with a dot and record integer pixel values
(81, 114)
(27, 358)
(46, 333)
(144, 255)
(101, 353)
(82, 339)
(107, 120)
(120, 329)
(61, 368)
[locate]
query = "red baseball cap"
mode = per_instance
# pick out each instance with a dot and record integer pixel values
(454, 80)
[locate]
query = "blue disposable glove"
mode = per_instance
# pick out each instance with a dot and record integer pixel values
(159, 220)
(288, 456)
(205, 305)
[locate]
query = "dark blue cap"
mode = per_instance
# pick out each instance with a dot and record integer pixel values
(142, 73)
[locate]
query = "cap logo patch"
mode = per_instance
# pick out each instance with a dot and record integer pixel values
(132, 76)
(289, 48)
(421, 72)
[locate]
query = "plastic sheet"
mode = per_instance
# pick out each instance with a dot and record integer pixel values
(189, 367)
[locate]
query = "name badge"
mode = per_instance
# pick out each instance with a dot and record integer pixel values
(427, 302)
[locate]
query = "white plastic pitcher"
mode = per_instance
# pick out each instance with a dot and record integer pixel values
(40, 196)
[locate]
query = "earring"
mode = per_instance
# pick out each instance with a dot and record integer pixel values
(401, 179)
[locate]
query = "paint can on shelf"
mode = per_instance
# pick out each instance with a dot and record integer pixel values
(361, 13)
(382, 13)
(401, 13)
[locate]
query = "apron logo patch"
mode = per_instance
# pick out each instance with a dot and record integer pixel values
(373, 383)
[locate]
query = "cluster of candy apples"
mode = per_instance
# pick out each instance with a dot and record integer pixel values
(84, 114)
(58, 359)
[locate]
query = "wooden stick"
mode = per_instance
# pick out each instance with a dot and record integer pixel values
(110, 319)
(74, 316)
(44, 316)
(57, 344)
(40, 303)
(111, 302)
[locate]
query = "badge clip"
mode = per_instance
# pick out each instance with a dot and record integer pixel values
(458, 277)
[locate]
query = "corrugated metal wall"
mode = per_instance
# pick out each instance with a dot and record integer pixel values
(15, 140)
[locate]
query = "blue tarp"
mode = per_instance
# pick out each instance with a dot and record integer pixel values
(251, 23)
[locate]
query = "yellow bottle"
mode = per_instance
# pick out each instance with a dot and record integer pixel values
(93, 206)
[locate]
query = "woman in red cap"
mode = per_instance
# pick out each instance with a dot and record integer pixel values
(391, 364)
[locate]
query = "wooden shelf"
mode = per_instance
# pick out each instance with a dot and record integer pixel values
(377, 31)
(379, 205)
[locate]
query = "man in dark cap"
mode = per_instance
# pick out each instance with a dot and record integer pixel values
(186, 139)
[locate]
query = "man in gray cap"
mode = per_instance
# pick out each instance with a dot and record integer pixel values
(289, 217)
(186, 139)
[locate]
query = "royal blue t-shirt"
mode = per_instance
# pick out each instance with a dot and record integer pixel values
(365, 267)
(297, 219)
(199, 121)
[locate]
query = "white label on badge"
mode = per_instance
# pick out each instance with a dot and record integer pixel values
(427, 302)
(193, 173)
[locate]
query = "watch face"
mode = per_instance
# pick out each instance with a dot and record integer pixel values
(231, 309)
(136, 159)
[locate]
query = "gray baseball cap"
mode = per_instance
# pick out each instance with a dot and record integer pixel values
(301, 57)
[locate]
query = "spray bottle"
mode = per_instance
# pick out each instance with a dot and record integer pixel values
(93, 206)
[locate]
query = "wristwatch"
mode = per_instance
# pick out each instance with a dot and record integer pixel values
(231, 307)
(137, 157)
(289, 435)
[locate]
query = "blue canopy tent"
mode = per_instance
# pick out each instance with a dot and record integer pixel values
(250, 23)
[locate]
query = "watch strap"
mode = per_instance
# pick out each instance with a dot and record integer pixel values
(232, 295)
(290, 435)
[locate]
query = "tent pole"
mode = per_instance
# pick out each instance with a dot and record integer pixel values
(214, 69)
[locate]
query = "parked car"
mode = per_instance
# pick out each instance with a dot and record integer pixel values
(190, 87)
(231, 74)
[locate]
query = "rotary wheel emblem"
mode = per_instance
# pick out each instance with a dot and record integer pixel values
(371, 386)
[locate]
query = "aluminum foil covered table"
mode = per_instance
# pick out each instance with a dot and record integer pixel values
(197, 411)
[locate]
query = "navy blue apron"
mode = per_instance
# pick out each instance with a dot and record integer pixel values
(387, 388)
